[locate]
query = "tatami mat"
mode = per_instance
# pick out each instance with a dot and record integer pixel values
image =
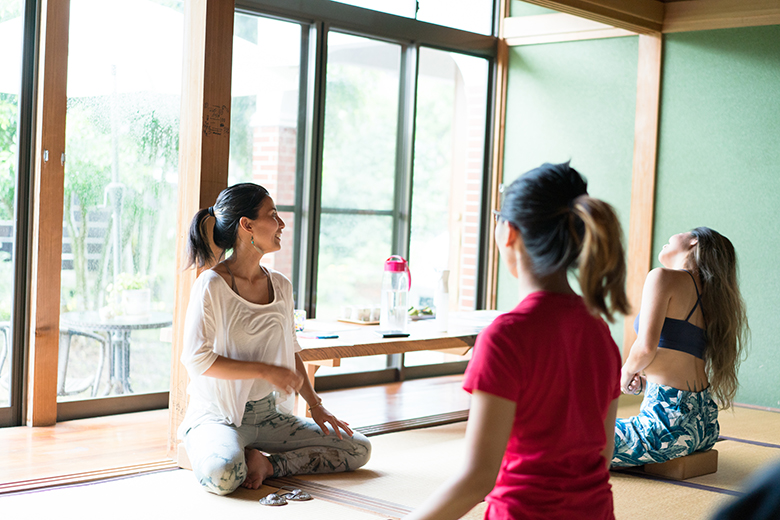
(638, 498)
(405, 468)
(737, 462)
(750, 424)
(168, 494)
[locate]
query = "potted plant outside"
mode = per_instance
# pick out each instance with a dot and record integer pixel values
(130, 296)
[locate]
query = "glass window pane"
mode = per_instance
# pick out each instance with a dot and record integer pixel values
(353, 249)
(121, 177)
(10, 83)
(264, 118)
(361, 118)
(468, 15)
(448, 173)
(358, 180)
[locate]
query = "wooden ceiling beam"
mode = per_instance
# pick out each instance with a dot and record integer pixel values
(639, 16)
(698, 15)
(553, 28)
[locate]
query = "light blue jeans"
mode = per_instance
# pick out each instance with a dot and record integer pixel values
(295, 446)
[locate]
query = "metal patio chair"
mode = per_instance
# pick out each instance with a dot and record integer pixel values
(65, 387)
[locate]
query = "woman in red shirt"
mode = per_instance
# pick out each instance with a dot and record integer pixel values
(544, 377)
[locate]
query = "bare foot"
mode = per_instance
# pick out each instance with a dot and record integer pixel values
(259, 468)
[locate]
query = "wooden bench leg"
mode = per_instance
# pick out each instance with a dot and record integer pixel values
(683, 468)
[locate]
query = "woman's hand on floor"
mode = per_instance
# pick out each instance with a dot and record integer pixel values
(322, 417)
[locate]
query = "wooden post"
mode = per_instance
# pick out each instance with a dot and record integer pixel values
(204, 148)
(48, 192)
(497, 174)
(640, 233)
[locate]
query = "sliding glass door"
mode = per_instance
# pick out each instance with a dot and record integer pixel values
(13, 189)
(119, 208)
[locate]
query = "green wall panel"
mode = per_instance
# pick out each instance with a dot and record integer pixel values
(719, 166)
(573, 101)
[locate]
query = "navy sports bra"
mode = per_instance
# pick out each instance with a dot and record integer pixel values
(680, 335)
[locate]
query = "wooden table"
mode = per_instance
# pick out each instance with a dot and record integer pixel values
(362, 340)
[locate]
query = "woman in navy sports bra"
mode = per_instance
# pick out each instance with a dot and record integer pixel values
(691, 336)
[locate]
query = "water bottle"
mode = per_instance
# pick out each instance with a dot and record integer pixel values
(441, 300)
(396, 282)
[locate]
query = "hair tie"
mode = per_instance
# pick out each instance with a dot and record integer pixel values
(211, 211)
(573, 201)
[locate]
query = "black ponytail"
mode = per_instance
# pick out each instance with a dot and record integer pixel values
(199, 251)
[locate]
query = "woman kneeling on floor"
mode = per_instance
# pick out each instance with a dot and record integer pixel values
(241, 353)
(692, 331)
(544, 377)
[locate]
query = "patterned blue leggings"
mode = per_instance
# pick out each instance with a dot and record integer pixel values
(296, 446)
(671, 423)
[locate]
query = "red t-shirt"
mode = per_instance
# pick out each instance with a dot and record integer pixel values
(561, 366)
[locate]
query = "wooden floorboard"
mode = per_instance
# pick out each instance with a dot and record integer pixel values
(102, 447)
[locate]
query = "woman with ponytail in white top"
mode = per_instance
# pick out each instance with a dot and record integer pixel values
(241, 353)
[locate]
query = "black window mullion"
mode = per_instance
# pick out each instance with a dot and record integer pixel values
(312, 192)
(404, 166)
(405, 151)
(300, 264)
(485, 235)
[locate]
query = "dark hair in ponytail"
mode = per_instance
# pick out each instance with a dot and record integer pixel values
(562, 227)
(234, 202)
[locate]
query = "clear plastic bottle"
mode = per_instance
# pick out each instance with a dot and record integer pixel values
(441, 300)
(396, 282)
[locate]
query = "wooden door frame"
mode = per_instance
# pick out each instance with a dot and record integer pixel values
(47, 209)
(204, 150)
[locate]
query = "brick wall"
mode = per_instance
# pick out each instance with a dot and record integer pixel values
(273, 167)
(472, 194)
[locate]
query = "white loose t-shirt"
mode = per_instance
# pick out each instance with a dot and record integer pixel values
(219, 322)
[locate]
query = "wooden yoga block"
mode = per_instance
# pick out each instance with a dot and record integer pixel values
(683, 468)
(181, 457)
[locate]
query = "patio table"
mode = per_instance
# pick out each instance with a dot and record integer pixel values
(119, 329)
